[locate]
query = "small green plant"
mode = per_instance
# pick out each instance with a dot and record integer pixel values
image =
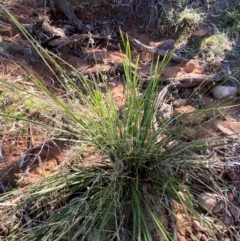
(190, 16)
(36, 103)
(216, 44)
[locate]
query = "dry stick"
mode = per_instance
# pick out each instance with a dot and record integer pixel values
(163, 53)
(60, 43)
(32, 141)
(159, 101)
(194, 81)
(191, 81)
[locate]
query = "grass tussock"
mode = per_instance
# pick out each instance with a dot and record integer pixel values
(142, 170)
(190, 16)
(216, 44)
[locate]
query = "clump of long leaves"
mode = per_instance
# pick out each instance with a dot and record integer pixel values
(118, 198)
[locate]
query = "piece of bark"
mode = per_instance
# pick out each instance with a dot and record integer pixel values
(54, 31)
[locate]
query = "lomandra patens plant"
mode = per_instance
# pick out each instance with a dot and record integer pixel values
(126, 195)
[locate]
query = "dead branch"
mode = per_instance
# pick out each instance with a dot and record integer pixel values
(162, 53)
(60, 43)
(190, 81)
(157, 51)
(68, 10)
(195, 81)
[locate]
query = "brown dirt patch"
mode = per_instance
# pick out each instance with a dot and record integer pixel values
(21, 165)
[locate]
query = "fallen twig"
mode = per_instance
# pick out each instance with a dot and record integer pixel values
(161, 96)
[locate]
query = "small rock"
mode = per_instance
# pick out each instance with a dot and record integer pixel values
(200, 33)
(180, 237)
(207, 201)
(230, 196)
(197, 226)
(219, 206)
(227, 219)
(204, 237)
(166, 111)
(198, 236)
(189, 67)
(179, 102)
(219, 227)
(235, 211)
(224, 92)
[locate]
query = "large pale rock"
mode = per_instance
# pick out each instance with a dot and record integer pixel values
(224, 92)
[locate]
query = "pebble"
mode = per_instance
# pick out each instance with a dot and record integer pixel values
(219, 206)
(227, 219)
(235, 211)
(207, 201)
(197, 226)
(189, 67)
(179, 102)
(230, 196)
